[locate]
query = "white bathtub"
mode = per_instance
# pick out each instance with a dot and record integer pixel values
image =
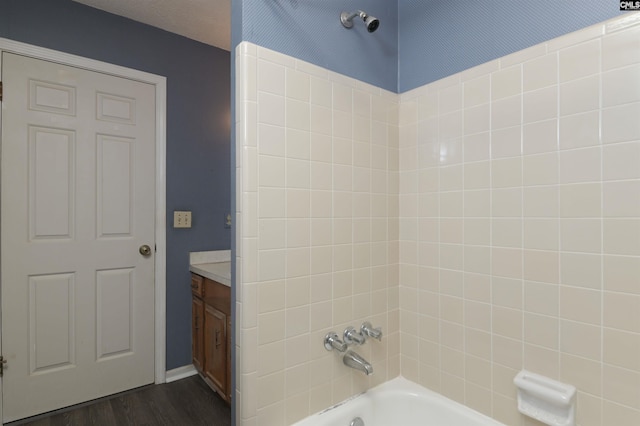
(399, 402)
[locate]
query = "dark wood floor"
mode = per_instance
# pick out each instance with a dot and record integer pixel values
(184, 402)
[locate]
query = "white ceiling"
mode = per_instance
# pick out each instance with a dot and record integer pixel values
(207, 21)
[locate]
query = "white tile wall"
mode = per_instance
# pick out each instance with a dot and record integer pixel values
(532, 246)
(489, 222)
(317, 251)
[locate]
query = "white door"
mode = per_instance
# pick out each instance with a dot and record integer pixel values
(78, 201)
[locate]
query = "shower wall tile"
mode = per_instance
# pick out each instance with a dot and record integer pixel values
(540, 137)
(506, 82)
(580, 130)
(540, 72)
(524, 250)
(620, 86)
(318, 203)
(615, 129)
(620, 49)
(489, 222)
(580, 60)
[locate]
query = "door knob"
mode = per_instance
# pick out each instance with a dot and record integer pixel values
(145, 250)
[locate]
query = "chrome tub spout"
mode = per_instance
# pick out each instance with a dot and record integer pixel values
(353, 360)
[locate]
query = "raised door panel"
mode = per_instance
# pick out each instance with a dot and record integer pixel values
(116, 109)
(115, 171)
(52, 97)
(51, 183)
(114, 319)
(52, 325)
(215, 348)
(197, 330)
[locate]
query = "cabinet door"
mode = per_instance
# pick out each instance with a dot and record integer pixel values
(215, 348)
(197, 330)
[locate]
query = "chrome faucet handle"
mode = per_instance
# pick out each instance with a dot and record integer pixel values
(353, 336)
(367, 330)
(331, 341)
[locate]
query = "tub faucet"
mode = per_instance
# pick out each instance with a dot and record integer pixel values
(331, 342)
(353, 336)
(353, 360)
(367, 330)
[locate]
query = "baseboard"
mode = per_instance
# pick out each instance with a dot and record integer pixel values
(180, 373)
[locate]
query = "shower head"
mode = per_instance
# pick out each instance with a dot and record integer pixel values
(371, 23)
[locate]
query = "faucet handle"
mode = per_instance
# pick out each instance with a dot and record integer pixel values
(367, 330)
(331, 341)
(353, 336)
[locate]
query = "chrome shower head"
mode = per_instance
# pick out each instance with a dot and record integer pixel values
(371, 22)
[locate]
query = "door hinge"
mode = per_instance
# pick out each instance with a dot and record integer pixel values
(2, 363)
(0, 91)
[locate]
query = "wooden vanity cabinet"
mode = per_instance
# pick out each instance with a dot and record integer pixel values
(211, 333)
(197, 324)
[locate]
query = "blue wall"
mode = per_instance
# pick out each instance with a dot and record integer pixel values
(440, 38)
(311, 30)
(419, 41)
(198, 119)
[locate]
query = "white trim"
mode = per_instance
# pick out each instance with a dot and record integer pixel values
(1, 385)
(180, 373)
(160, 84)
(7, 45)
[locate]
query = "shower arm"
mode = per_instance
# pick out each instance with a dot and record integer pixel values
(347, 18)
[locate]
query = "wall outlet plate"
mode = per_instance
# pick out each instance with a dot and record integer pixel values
(181, 219)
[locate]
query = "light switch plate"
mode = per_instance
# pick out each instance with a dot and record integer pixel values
(181, 219)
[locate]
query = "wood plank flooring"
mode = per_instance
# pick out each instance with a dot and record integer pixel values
(185, 402)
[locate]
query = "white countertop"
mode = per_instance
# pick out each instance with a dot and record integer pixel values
(217, 271)
(215, 256)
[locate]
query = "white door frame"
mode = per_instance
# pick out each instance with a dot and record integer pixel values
(160, 84)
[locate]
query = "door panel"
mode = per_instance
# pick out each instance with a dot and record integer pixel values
(51, 97)
(115, 186)
(78, 200)
(52, 332)
(51, 182)
(114, 316)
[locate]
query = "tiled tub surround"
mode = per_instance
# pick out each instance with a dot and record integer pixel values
(317, 196)
(514, 191)
(520, 227)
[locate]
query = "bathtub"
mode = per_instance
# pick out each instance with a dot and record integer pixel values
(399, 402)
